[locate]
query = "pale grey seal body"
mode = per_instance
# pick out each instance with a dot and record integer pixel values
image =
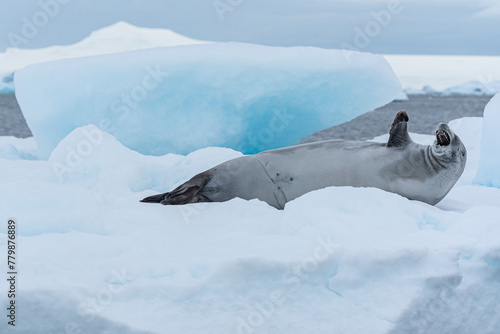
(419, 172)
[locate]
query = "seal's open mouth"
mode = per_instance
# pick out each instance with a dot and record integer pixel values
(443, 138)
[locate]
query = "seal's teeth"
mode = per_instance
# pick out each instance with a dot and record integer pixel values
(443, 138)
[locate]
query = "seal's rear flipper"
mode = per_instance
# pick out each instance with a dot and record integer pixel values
(155, 198)
(184, 194)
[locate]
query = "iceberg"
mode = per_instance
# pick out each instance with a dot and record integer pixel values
(179, 99)
(488, 172)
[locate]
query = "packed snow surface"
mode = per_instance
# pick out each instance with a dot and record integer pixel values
(489, 163)
(92, 259)
(178, 99)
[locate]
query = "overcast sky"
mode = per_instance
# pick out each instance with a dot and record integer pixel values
(462, 27)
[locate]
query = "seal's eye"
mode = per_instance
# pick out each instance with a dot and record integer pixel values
(443, 138)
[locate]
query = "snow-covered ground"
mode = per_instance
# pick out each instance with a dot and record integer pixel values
(342, 260)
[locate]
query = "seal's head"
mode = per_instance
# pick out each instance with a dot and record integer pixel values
(448, 147)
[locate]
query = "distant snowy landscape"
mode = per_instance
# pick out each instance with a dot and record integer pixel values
(92, 259)
(448, 74)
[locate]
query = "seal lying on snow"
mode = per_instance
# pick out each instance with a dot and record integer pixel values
(419, 172)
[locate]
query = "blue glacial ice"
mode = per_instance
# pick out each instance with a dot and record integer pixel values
(179, 99)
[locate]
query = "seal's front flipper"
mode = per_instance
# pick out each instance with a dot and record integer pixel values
(184, 194)
(399, 136)
(400, 117)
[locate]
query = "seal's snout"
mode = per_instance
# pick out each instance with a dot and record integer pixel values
(443, 135)
(443, 138)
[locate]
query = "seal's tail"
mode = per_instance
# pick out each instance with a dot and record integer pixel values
(184, 194)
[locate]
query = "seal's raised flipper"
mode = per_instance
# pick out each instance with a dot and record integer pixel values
(184, 194)
(399, 136)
